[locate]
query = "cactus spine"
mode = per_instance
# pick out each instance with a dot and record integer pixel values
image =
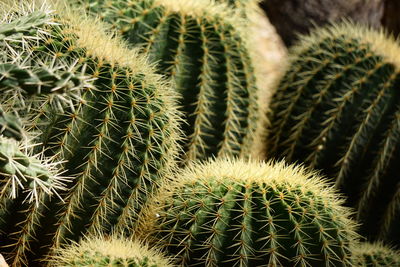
(236, 213)
(202, 47)
(375, 255)
(337, 109)
(117, 140)
(109, 251)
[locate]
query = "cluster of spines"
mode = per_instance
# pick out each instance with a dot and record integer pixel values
(118, 140)
(337, 110)
(202, 47)
(109, 251)
(236, 213)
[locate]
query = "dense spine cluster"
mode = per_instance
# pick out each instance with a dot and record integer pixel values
(236, 213)
(375, 255)
(109, 252)
(337, 109)
(117, 140)
(202, 47)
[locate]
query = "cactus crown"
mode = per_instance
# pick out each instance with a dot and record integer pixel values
(375, 255)
(230, 211)
(109, 251)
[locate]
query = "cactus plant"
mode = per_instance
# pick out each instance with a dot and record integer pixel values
(237, 213)
(375, 255)
(109, 251)
(117, 140)
(10, 126)
(201, 45)
(337, 110)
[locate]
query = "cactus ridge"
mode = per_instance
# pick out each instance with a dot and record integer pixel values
(237, 213)
(337, 110)
(109, 251)
(201, 46)
(117, 141)
(375, 255)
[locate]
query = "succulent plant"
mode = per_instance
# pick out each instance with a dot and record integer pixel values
(237, 213)
(109, 251)
(10, 126)
(201, 45)
(117, 140)
(375, 255)
(337, 109)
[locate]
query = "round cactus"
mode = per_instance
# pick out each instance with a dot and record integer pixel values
(117, 140)
(201, 45)
(375, 255)
(236, 213)
(107, 252)
(337, 109)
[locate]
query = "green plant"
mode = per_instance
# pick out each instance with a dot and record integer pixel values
(202, 46)
(109, 251)
(237, 213)
(337, 110)
(10, 126)
(375, 255)
(117, 140)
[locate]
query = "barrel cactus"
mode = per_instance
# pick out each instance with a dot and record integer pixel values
(117, 140)
(201, 45)
(237, 213)
(337, 109)
(375, 255)
(108, 252)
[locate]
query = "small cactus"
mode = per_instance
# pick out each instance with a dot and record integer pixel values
(107, 252)
(117, 140)
(236, 213)
(337, 109)
(375, 255)
(201, 45)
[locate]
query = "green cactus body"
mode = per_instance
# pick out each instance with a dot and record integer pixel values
(117, 141)
(201, 46)
(109, 251)
(236, 213)
(10, 126)
(375, 255)
(337, 109)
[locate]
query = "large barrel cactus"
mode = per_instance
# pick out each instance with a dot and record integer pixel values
(109, 252)
(202, 46)
(236, 213)
(117, 140)
(338, 110)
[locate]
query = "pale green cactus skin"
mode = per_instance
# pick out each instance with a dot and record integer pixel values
(337, 110)
(108, 252)
(202, 47)
(117, 140)
(236, 213)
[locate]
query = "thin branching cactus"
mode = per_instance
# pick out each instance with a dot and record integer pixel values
(237, 213)
(337, 109)
(375, 255)
(117, 140)
(109, 251)
(202, 46)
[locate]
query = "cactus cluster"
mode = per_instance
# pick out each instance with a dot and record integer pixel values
(237, 213)
(109, 251)
(202, 47)
(337, 110)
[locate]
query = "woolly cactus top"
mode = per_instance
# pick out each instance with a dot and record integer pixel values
(110, 251)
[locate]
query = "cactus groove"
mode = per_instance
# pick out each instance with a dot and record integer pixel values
(337, 109)
(117, 140)
(236, 213)
(202, 46)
